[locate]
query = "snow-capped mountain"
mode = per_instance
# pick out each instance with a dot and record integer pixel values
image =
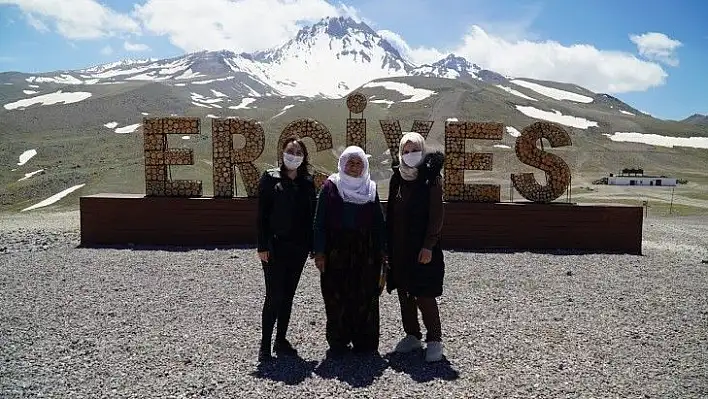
(450, 67)
(454, 67)
(329, 59)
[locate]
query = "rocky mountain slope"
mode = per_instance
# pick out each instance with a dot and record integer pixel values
(84, 125)
(697, 119)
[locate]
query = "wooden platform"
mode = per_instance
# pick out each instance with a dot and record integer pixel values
(123, 219)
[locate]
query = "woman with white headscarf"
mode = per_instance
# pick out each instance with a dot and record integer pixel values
(349, 245)
(414, 218)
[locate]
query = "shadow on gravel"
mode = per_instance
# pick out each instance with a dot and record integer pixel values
(415, 366)
(168, 248)
(290, 370)
(357, 370)
(559, 252)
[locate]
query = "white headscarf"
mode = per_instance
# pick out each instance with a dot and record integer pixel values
(409, 172)
(356, 190)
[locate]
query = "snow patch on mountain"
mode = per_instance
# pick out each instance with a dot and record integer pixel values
(244, 103)
(26, 156)
(128, 129)
(512, 131)
(49, 99)
(557, 117)
(389, 103)
(556, 94)
(30, 174)
(111, 125)
(659, 140)
(516, 92)
(415, 94)
(285, 108)
(251, 92)
(64, 79)
(54, 198)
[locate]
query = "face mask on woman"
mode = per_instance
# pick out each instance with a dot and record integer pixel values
(413, 159)
(291, 161)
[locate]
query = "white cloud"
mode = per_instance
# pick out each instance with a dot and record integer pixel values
(244, 25)
(657, 46)
(36, 23)
(251, 25)
(420, 55)
(136, 47)
(75, 19)
(107, 50)
(581, 64)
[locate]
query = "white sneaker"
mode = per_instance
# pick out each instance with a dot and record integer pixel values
(408, 344)
(434, 352)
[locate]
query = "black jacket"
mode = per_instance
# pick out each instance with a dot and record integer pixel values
(285, 209)
(418, 280)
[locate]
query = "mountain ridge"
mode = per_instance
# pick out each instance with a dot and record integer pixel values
(696, 119)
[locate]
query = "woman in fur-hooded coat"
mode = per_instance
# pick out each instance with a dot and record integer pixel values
(414, 222)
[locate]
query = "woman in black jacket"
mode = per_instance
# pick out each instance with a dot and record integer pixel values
(286, 202)
(414, 218)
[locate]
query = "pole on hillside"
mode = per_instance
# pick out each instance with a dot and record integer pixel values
(645, 204)
(671, 206)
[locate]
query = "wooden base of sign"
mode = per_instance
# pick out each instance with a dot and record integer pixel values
(125, 219)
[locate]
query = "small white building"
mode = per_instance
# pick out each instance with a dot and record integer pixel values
(636, 177)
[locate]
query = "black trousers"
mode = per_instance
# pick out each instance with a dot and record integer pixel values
(429, 310)
(282, 274)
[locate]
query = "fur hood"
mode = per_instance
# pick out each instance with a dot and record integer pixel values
(432, 164)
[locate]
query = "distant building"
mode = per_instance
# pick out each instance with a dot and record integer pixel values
(636, 177)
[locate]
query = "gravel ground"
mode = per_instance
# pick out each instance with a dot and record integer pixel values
(119, 323)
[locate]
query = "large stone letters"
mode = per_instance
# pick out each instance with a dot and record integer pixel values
(158, 157)
(457, 160)
(356, 127)
(225, 157)
(307, 127)
(557, 171)
(392, 134)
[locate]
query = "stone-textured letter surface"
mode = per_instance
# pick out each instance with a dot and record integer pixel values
(557, 171)
(308, 127)
(457, 160)
(158, 157)
(392, 134)
(225, 157)
(356, 133)
(356, 127)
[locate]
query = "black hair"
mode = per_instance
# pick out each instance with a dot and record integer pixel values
(304, 169)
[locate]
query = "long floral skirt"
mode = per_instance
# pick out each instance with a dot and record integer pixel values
(350, 289)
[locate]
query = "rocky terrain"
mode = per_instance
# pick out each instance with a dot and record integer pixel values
(171, 323)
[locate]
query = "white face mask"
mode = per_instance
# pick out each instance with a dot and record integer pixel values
(291, 161)
(413, 159)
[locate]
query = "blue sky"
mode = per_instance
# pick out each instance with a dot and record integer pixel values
(586, 42)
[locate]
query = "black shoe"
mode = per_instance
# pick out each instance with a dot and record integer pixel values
(337, 352)
(283, 347)
(365, 350)
(264, 354)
